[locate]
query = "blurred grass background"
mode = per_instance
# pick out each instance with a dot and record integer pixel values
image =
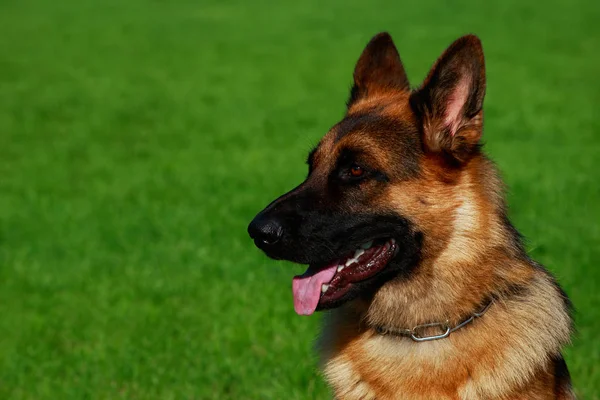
(138, 138)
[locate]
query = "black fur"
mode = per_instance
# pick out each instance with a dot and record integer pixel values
(354, 95)
(319, 228)
(402, 138)
(562, 377)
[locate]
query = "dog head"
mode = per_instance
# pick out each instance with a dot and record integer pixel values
(381, 181)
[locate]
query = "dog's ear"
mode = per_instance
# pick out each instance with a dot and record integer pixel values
(449, 103)
(378, 70)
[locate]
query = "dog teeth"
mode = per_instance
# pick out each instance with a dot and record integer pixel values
(324, 288)
(339, 268)
(356, 256)
(367, 245)
(350, 261)
(393, 241)
(358, 253)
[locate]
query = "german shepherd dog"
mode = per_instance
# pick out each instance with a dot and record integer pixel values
(403, 224)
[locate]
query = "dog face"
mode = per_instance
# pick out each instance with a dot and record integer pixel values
(377, 180)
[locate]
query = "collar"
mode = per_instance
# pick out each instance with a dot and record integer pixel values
(418, 335)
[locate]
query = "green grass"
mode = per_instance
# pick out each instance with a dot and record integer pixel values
(138, 139)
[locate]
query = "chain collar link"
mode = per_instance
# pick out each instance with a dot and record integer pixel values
(416, 332)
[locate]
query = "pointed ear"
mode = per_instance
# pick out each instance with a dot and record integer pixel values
(378, 69)
(449, 103)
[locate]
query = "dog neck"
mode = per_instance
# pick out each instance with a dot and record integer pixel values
(433, 330)
(469, 255)
(500, 353)
(474, 255)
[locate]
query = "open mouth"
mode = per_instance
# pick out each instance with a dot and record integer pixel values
(324, 283)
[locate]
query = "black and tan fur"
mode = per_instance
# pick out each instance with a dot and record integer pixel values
(429, 185)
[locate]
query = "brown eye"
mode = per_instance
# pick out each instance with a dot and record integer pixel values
(356, 171)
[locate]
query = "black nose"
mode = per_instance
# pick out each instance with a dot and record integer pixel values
(265, 231)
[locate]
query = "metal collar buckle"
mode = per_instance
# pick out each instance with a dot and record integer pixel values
(445, 328)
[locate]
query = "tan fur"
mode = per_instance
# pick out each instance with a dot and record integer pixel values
(503, 355)
(436, 178)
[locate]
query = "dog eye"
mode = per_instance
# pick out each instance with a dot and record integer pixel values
(356, 171)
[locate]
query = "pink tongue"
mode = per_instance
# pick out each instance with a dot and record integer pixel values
(307, 288)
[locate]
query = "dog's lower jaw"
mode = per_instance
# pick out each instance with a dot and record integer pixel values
(509, 353)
